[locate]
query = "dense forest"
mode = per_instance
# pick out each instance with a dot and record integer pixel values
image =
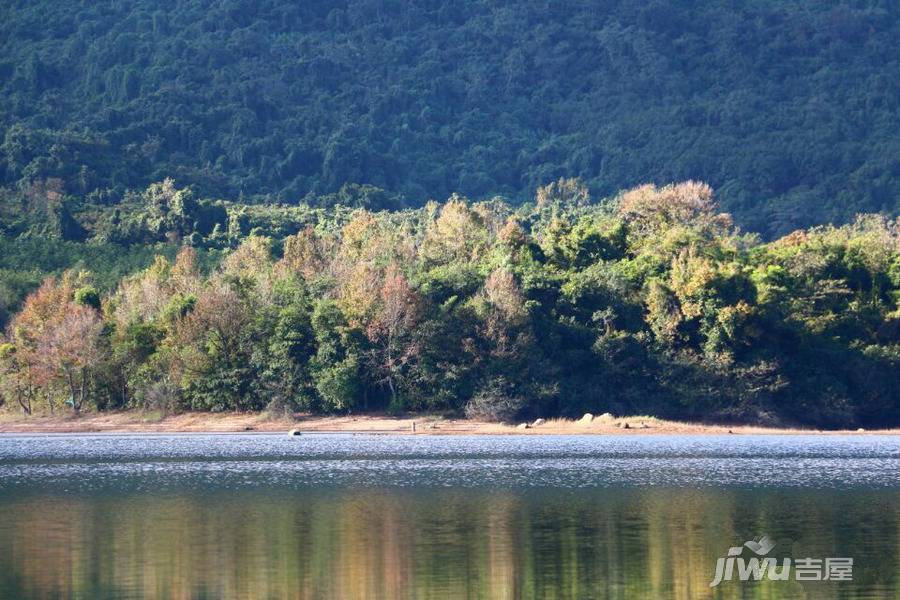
(651, 301)
(302, 261)
(789, 109)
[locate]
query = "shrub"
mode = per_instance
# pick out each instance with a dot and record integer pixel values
(493, 402)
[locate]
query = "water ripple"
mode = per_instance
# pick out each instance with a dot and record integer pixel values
(159, 462)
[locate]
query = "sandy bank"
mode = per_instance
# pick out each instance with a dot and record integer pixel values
(137, 422)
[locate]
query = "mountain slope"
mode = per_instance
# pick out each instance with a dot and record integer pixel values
(790, 111)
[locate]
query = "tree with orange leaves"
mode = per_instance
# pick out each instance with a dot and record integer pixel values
(58, 341)
(392, 331)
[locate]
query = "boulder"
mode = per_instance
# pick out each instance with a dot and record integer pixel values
(538, 422)
(587, 418)
(294, 432)
(523, 426)
(606, 417)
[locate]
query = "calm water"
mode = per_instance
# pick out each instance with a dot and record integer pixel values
(364, 516)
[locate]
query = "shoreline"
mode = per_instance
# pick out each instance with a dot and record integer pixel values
(136, 422)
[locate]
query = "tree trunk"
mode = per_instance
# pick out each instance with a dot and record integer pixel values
(83, 391)
(26, 405)
(390, 382)
(72, 390)
(390, 370)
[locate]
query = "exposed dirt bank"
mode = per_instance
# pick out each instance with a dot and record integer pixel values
(137, 422)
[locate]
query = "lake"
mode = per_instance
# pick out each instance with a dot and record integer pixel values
(369, 516)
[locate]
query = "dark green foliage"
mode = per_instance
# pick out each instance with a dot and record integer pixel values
(790, 109)
(336, 365)
(292, 344)
(15, 284)
(88, 296)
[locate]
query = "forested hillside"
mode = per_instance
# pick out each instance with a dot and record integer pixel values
(650, 302)
(789, 108)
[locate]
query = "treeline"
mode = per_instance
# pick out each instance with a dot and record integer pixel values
(44, 230)
(651, 302)
(790, 109)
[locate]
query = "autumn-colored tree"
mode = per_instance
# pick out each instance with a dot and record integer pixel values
(72, 348)
(650, 210)
(458, 235)
(58, 341)
(504, 343)
(40, 314)
(184, 277)
(215, 339)
(250, 267)
(563, 193)
(391, 331)
(512, 234)
(502, 293)
(360, 237)
(358, 291)
(305, 253)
